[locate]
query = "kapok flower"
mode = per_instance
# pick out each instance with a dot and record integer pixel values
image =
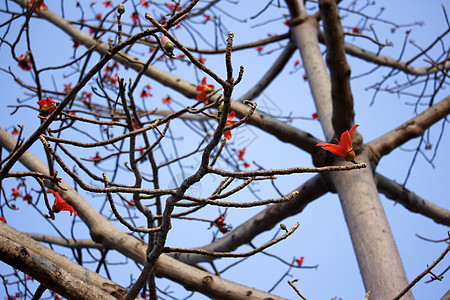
(3, 219)
(344, 148)
(16, 193)
(40, 6)
(61, 204)
(46, 105)
(230, 117)
(25, 62)
(241, 153)
(299, 261)
(204, 89)
(219, 223)
(167, 100)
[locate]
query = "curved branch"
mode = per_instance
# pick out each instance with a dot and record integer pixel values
(409, 130)
(395, 191)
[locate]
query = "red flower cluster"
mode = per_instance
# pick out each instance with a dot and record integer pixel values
(167, 100)
(241, 157)
(46, 105)
(344, 148)
(204, 89)
(60, 204)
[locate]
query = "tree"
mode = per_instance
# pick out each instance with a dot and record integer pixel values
(135, 171)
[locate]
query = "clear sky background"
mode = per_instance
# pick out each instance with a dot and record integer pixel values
(322, 238)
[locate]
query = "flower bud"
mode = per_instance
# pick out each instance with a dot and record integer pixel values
(120, 9)
(168, 46)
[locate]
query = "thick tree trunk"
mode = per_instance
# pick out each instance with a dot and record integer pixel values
(378, 258)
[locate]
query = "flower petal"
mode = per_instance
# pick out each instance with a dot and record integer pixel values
(336, 149)
(227, 135)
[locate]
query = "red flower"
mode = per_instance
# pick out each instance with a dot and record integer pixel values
(2, 219)
(40, 5)
(87, 96)
(47, 105)
(202, 60)
(259, 49)
(246, 165)
(296, 63)
(67, 87)
(144, 3)
(16, 193)
(107, 3)
(241, 153)
(300, 261)
(27, 198)
(204, 89)
(344, 147)
(355, 29)
(97, 158)
(25, 63)
(173, 6)
(15, 131)
(227, 133)
(135, 17)
(60, 204)
(315, 115)
(75, 44)
(167, 100)
(219, 222)
(207, 18)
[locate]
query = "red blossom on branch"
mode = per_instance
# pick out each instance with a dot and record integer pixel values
(16, 193)
(219, 223)
(241, 153)
(246, 165)
(46, 105)
(107, 3)
(299, 261)
(173, 6)
(355, 29)
(227, 134)
(15, 131)
(97, 158)
(144, 3)
(25, 63)
(135, 17)
(167, 100)
(344, 148)
(315, 115)
(27, 198)
(60, 204)
(3, 219)
(40, 5)
(204, 89)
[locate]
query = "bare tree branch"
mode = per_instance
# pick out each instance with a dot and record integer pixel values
(409, 130)
(411, 201)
